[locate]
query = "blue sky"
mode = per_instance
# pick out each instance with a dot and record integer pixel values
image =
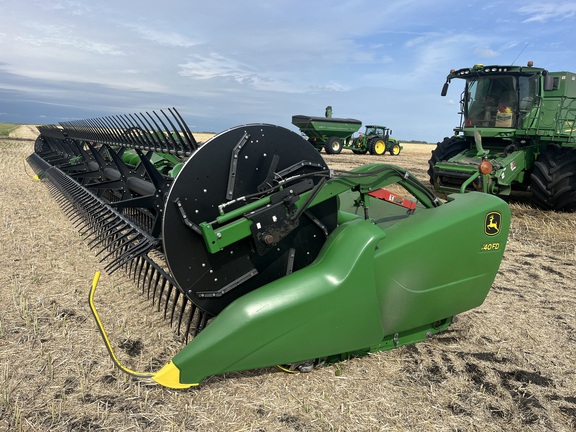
(229, 62)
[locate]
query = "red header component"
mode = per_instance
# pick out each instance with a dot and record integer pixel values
(393, 198)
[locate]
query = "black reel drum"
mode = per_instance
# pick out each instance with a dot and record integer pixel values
(235, 168)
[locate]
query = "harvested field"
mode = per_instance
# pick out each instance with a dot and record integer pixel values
(508, 365)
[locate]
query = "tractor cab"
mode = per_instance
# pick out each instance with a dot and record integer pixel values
(381, 131)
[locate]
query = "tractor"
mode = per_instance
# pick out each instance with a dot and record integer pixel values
(377, 140)
(517, 133)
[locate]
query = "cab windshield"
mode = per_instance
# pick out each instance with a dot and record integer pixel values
(498, 101)
(376, 130)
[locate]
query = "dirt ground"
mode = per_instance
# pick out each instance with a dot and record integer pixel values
(508, 365)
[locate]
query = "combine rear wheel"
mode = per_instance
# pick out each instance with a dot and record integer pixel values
(554, 179)
(377, 146)
(445, 150)
(333, 145)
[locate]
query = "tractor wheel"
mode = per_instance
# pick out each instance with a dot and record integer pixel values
(395, 149)
(359, 147)
(554, 179)
(377, 146)
(445, 150)
(333, 145)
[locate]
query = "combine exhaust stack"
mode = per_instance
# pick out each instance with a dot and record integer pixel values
(260, 252)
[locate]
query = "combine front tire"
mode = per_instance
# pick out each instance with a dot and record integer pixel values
(554, 179)
(333, 145)
(445, 150)
(377, 146)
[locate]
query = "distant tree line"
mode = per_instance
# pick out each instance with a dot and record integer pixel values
(414, 142)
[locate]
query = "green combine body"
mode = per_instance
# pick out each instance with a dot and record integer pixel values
(270, 257)
(517, 133)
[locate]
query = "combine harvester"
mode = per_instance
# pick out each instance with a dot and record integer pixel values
(517, 133)
(261, 253)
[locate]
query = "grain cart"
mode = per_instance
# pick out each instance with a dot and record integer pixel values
(517, 133)
(328, 133)
(261, 253)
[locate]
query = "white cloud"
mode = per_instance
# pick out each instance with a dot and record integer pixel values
(543, 12)
(331, 86)
(60, 38)
(217, 66)
(214, 65)
(486, 52)
(68, 7)
(163, 38)
(78, 43)
(410, 43)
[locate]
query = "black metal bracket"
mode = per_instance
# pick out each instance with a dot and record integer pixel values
(185, 219)
(274, 222)
(229, 287)
(234, 165)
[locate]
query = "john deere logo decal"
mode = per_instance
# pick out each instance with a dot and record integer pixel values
(492, 224)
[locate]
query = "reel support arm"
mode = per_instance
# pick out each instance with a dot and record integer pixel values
(228, 228)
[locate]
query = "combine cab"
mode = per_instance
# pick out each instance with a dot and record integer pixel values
(517, 132)
(258, 251)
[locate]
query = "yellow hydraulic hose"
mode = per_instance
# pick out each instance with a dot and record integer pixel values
(168, 376)
(34, 176)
